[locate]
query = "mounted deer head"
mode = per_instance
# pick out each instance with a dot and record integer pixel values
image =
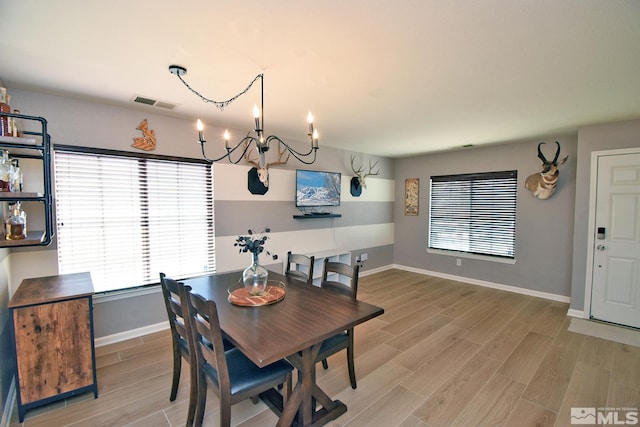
(358, 181)
(543, 184)
(262, 168)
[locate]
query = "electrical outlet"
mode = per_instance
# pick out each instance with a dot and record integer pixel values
(458, 262)
(360, 259)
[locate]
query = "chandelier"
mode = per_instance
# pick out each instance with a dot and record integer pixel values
(255, 136)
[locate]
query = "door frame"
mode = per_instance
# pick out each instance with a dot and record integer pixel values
(593, 187)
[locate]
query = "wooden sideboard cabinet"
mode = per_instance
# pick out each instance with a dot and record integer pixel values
(54, 349)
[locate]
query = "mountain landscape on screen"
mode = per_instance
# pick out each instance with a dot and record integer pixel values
(314, 188)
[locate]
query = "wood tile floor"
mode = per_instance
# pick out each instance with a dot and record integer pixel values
(445, 353)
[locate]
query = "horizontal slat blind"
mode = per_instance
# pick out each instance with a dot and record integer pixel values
(474, 213)
(125, 219)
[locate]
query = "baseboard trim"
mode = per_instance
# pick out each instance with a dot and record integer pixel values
(523, 291)
(7, 413)
(576, 313)
(132, 333)
(374, 270)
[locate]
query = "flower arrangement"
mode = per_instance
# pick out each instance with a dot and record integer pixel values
(254, 243)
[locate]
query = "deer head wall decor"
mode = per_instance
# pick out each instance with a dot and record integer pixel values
(258, 177)
(358, 181)
(543, 184)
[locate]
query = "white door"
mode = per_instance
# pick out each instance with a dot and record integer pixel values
(615, 291)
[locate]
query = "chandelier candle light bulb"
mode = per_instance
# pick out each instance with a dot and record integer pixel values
(256, 116)
(226, 139)
(310, 121)
(200, 127)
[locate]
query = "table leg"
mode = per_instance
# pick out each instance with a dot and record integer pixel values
(306, 393)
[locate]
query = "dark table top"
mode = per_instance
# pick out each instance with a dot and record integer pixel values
(306, 316)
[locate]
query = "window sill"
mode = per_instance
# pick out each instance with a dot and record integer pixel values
(107, 296)
(457, 254)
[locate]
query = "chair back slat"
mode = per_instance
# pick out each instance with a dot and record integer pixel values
(203, 331)
(181, 329)
(173, 304)
(175, 307)
(342, 270)
(301, 263)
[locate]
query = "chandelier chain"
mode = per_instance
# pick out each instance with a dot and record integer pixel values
(220, 104)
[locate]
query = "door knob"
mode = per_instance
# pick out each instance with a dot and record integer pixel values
(600, 247)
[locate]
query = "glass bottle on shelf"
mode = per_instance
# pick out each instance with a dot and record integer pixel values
(5, 171)
(15, 176)
(15, 129)
(16, 223)
(4, 108)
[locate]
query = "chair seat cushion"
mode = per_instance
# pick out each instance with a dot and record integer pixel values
(332, 345)
(227, 344)
(245, 375)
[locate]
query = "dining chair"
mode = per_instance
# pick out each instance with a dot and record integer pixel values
(333, 276)
(230, 373)
(179, 336)
(302, 263)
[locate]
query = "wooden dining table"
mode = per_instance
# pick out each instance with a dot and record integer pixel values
(292, 328)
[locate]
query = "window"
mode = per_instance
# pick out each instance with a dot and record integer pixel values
(474, 213)
(126, 217)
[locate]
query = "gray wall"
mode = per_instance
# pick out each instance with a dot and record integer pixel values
(610, 136)
(544, 228)
(85, 123)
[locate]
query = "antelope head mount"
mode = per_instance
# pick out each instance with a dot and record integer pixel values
(358, 181)
(261, 168)
(543, 184)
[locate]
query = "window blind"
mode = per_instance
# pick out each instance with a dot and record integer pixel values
(126, 218)
(474, 213)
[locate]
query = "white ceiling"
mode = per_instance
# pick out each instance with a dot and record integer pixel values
(384, 77)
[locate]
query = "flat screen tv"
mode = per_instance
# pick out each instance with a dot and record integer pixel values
(317, 188)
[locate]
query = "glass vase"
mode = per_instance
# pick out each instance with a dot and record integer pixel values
(255, 277)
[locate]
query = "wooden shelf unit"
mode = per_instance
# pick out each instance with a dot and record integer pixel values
(33, 144)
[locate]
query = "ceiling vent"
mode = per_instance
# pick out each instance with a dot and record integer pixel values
(167, 105)
(154, 102)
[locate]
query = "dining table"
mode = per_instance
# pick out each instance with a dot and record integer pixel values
(293, 327)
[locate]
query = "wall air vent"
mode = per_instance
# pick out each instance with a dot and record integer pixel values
(153, 102)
